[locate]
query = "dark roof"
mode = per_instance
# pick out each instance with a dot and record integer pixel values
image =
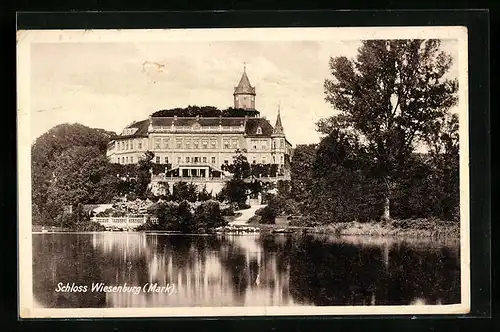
(142, 130)
(252, 125)
(244, 87)
(278, 127)
(182, 121)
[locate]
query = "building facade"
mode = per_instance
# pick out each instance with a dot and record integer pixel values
(199, 147)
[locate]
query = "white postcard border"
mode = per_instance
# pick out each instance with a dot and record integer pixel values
(26, 38)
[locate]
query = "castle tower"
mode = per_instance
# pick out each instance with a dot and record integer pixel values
(244, 93)
(278, 130)
(278, 142)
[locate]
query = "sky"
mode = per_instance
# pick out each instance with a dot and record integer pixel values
(111, 84)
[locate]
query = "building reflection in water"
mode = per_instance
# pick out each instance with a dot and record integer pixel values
(206, 270)
(245, 270)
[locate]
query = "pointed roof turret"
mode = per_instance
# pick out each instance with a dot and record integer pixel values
(244, 87)
(278, 127)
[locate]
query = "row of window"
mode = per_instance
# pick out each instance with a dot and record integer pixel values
(128, 145)
(245, 97)
(125, 160)
(264, 145)
(187, 160)
(264, 160)
(204, 160)
(195, 160)
(164, 143)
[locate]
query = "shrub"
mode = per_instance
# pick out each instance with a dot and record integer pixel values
(204, 195)
(208, 216)
(258, 212)
(235, 191)
(228, 212)
(89, 226)
(167, 214)
(268, 213)
(184, 192)
(131, 197)
(147, 226)
(185, 220)
(254, 220)
(303, 222)
(105, 213)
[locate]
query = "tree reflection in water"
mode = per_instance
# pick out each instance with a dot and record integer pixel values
(253, 270)
(339, 273)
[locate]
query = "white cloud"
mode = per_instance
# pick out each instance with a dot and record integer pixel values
(109, 85)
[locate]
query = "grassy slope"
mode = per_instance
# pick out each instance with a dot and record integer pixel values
(407, 228)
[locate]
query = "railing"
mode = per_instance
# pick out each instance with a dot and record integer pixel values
(158, 178)
(185, 178)
(202, 129)
(123, 221)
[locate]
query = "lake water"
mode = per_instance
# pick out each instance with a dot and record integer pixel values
(242, 270)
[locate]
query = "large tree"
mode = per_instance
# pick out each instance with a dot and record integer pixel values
(144, 167)
(389, 96)
(444, 156)
(300, 173)
(62, 160)
(235, 190)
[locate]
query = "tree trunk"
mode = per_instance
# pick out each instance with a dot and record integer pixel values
(386, 215)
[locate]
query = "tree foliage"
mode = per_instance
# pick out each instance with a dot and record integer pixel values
(205, 111)
(144, 168)
(389, 97)
(235, 190)
(342, 189)
(50, 152)
(204, 195)
(301, 174)
(444, 159)
(183, 191)
(208, 216)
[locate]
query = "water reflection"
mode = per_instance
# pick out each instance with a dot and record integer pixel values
(250, 270)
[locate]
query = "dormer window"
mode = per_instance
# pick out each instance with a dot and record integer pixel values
(129, 131)
(259, 130)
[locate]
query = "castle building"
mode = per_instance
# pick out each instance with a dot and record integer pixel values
(198, 147)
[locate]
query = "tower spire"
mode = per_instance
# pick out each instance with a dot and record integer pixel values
(244, 93)
(278, 127)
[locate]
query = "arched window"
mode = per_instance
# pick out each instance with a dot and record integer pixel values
(259, 130)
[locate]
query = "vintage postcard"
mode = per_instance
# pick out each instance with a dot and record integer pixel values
(243, 172)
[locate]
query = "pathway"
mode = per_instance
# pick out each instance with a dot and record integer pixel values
(246, 214)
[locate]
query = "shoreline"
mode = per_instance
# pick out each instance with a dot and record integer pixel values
(371, 229)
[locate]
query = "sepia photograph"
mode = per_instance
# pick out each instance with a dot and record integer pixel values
(243, 172)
